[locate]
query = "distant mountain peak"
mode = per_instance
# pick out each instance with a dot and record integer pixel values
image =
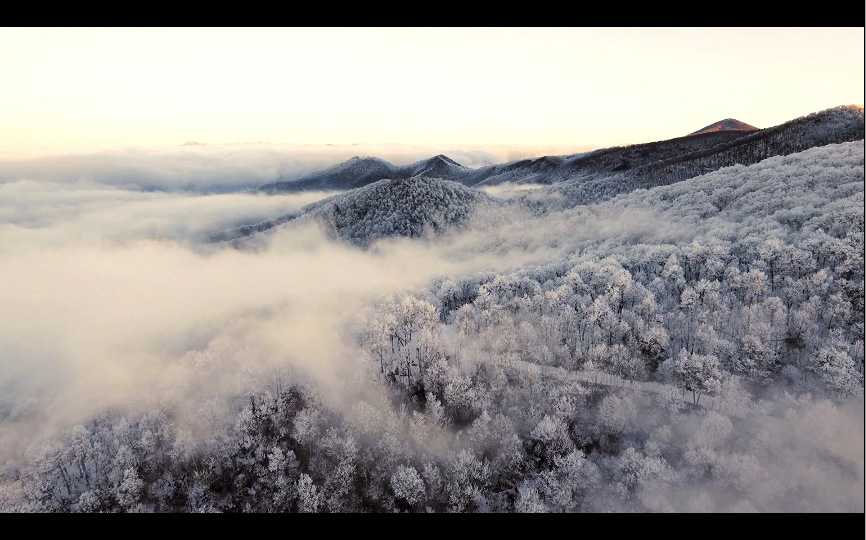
(446, 159)
(728, 124)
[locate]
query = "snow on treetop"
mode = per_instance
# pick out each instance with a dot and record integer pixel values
(403, 207)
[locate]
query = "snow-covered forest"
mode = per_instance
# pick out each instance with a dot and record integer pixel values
(687, 343)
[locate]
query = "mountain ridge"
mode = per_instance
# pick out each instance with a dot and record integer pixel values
(839, 124)
(728, 124)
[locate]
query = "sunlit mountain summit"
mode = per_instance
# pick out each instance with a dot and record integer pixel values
(728, 124)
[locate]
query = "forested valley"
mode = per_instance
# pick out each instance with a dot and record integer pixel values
(653, 340)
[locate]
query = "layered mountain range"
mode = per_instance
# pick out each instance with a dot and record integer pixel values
(384, 199)
(361, 171)
(725, 143)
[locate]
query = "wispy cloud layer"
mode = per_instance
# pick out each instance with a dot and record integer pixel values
(220, 168)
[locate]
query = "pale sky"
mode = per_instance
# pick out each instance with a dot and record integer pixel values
(82, 89)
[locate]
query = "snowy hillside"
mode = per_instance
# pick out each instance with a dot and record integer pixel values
(409, 207)
(696, 346)
(841, 124)
(398, 208)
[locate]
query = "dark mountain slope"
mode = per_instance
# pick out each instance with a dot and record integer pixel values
(603, 162)
(728, 124)
(841, 124)
(361, 171)
(358, 172)
(350, 174)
